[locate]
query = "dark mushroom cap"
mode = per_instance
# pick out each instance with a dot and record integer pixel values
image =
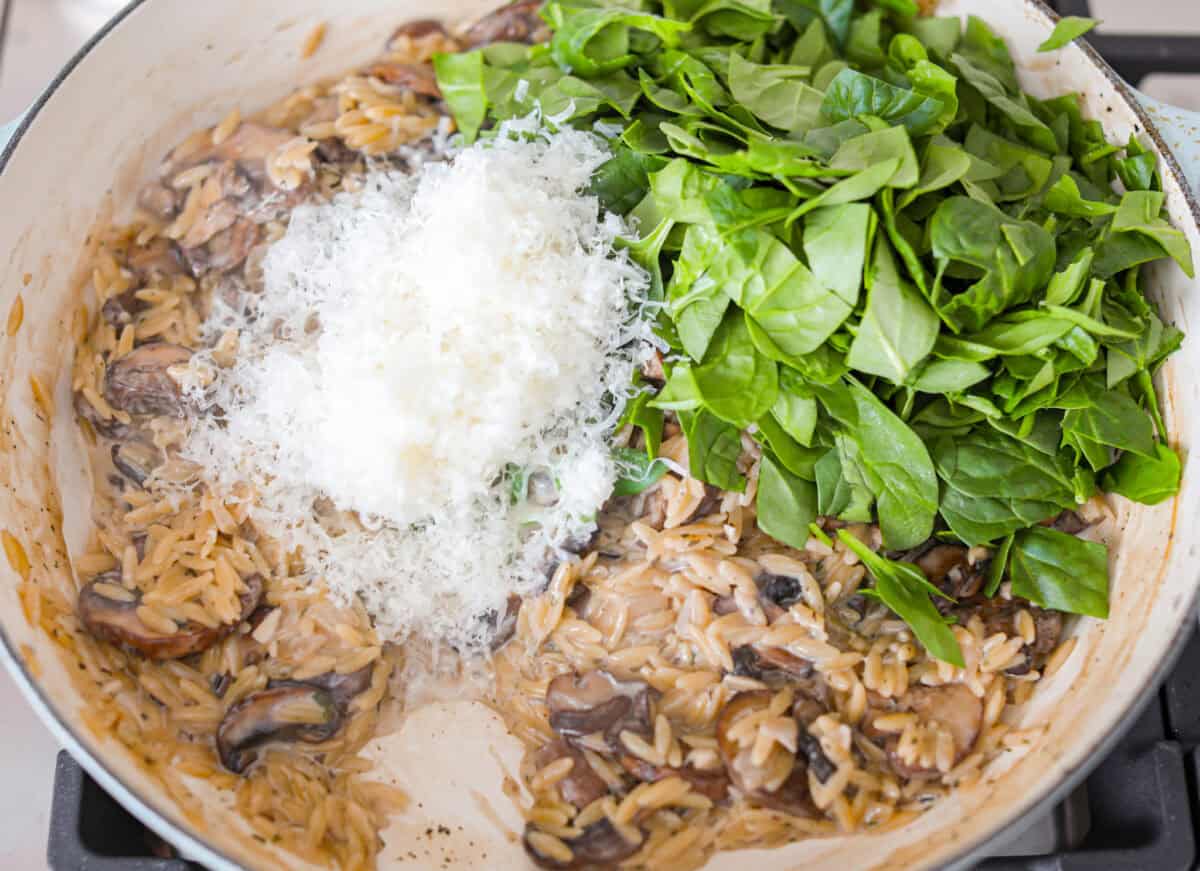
(582, 785)
(117, 622)
(516, 22)
(139, 382)
(713, 785)
(955, 708)
(418, 78)
(287, 711)
(599, 846)
(598, 702)
(136, 460)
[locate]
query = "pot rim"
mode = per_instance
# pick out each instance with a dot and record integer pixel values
(193, 847)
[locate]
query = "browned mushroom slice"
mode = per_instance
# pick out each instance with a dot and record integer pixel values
(597, 702)
(108, 427)
(418, 29)
(793, 797)
(948, 569)
(599, 846)
(710, 503)
(136, 460)
(418, 78)
(506, 624)
(288, 711)
(516, 22)
(116, 621)
(1069, 522)
(952, 706)
(225, 250)
(652, 370)
(711, 784)
(157, 259)
(342, 688)
(159, 200)
(582, 785)
(139, 382)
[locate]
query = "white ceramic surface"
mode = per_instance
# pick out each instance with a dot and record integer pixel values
(165, 67)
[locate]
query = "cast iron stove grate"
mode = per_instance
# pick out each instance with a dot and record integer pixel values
(1138, 811)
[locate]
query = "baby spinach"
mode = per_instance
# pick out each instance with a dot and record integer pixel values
(787, 503)
(1148, 480)
(852, 94)
(636, 471)
(918, 287)
(1056, 570)
(1066, 31)
(904, 588)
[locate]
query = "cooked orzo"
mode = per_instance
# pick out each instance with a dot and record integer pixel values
(690, 666)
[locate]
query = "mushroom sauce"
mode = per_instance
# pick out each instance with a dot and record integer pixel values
(685, 684)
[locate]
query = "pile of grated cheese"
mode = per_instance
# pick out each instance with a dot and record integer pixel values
(419, 344)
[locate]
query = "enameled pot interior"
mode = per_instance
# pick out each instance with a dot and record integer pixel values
(170, 66)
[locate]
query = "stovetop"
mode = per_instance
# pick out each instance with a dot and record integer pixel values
(1138, 811)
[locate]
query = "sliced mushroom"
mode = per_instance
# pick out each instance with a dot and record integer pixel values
(117, 622)
(652, 370)
(516, 22)
(948, 569)
(287, 711)
(793, 797)
(597, 702)
(1000, 615)
(713, 785)
(778, 658)
(157, 259)
(108, 427)
(1070, 522)
(418, 29)
(136, 460)
(779, 589)
(599, 846)
(344, 687)
(159, 200)
(418, 78)
(709, 504)
(952, 706)
(224, 251)
(140, 383)
(506, 625)
(582, 785)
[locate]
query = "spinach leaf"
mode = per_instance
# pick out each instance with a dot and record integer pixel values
(993, 485)
(1059, 571)
(862, 152)
(694, 300)
(835, 14)
(460, 79)
(714, 447)
(795, 412)
(894, 461)
(898, 328)
(835, 242)
(1009, 102)
(852, 94)
(1139, 212)
(1066, 31)
(1064, 197)
(1149, 480)
(1015, 256)
(593, 41)
(904, 588)
(787, 504)
(780, 294)
(779, 95)
(636, 471)
(639, 413)
(999, 566)
(623, 181)
(1109, 418)
(735, 381)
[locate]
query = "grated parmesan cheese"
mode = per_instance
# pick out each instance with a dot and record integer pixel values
(416, 342)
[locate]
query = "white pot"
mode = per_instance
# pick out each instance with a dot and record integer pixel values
(165, 67)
